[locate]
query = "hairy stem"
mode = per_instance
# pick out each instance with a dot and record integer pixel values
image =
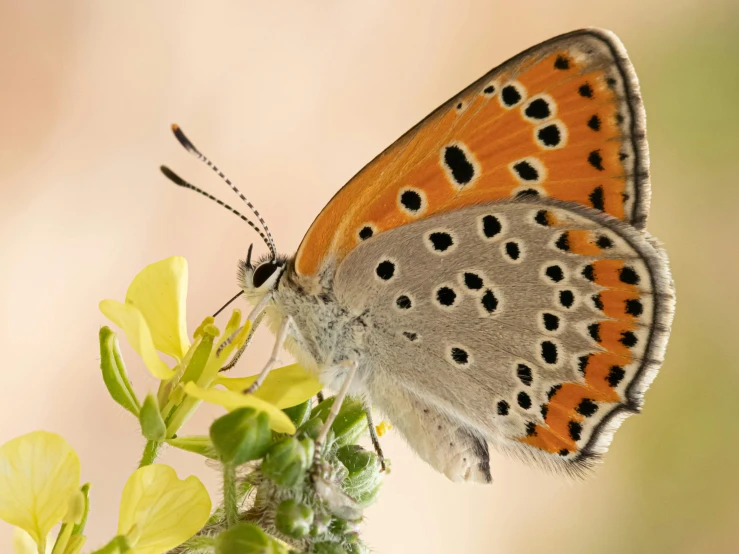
(151, 450)
(230, 504)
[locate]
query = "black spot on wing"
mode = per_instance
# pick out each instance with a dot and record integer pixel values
(526, 171)
(510, 95)
(538, 109)
(561, 63)
(629, 276)
(596, 160)
(524, 400)
(411, 201)
(594, 123)
(441, 241)
(385, 270)
(460, 167)
(597, 198)
(524, 374)
(634, 307)
(615, 375)
(586, 91)
(491, 226)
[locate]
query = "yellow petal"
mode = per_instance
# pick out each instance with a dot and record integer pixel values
(284, 387)
(278, 420)
(159, 291)
(23, 543)
(39, 473)
(161, 510)
(130, 319)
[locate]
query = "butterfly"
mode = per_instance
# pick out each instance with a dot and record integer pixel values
(487, 280)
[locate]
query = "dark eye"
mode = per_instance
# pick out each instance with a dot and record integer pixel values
(263, 272)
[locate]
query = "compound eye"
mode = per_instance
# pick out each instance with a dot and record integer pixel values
(262, 273)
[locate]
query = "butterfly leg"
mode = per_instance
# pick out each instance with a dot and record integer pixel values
(241, 350)
(373, 435)
(287, 322)
(351, 368)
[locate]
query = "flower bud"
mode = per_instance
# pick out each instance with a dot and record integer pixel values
(320, 524)
(351, 422)
(311, 428)
(114, 372)
(364, 473)
(287, 461)
(328, 548)
(357, 548)
(241, 435)
(340, 526)
(293, 518)
(247, 538)
(152, 424)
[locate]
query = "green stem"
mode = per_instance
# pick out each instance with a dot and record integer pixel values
(62, 538)
(151, 450)
(229, 495)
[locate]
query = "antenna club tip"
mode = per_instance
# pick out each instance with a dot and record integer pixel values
(171, 175)
(183, 140)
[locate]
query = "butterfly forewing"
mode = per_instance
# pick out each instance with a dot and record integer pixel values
(534, 324)
(561, 120)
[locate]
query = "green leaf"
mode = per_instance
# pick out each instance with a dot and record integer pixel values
(247, 538)
(241, 435)
(299, 414)
(152, 424)
(293, 518)
(114, 372)
(198, 444)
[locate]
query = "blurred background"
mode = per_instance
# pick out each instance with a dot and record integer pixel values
(291, 98)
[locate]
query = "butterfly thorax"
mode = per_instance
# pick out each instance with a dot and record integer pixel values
(323, 333)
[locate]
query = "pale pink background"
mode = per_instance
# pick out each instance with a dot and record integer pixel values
(290, 98)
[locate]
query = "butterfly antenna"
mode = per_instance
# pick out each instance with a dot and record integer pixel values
(190, 147)
(179, 181)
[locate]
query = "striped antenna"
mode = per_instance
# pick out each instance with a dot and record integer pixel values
(179, 181)
(185, 142)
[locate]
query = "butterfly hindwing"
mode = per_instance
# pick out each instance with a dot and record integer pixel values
(562, 120)
(537, 325)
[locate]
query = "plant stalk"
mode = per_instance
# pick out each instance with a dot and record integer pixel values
(151, 451)
(230, 504)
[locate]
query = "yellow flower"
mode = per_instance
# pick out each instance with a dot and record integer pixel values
(153, 315)
(283, 388)
(159, 511)
(383, 428)
(24, 544)
(153, 318)
(39, 479)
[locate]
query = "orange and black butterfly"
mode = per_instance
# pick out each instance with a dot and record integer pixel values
(487, 279)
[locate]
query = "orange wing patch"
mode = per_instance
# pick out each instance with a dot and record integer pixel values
(563, 120)
(618, 331)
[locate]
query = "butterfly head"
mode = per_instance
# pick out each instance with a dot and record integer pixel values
(262, 276)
